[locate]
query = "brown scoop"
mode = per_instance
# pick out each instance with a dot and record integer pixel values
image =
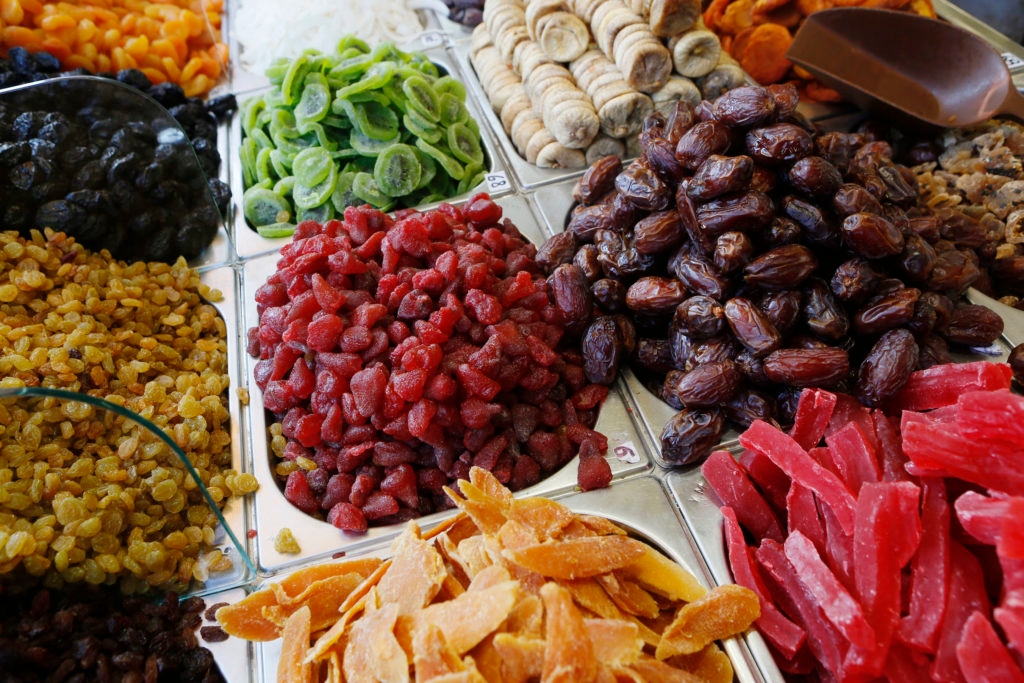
(905, 66)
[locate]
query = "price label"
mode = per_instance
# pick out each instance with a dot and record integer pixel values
(431, 39)
(627, 453)
(496, 182)
(1012, 61)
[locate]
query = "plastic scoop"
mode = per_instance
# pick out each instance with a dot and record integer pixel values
(906, 67)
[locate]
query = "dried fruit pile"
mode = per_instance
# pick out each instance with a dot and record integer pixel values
(754, 256)
(879, 545)
(356, 126)
(510, 590)
(757, 33)
(564, 102)
(397, 352)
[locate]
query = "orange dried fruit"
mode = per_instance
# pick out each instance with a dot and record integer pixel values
(522, 657)
(738, 16)
(601, 526)
(291, 667)
(653, 671)
(467, 619)
(545, 517)
(724, 611)
(714, 12)
(295, 588)
(630, 598)
(323, 598)
(569, 655)
(663, 576)
(577, 557)
(617, 642)
(415, 574)
(244, 619)
(372, 653)
(431, 656)
(764, 55)
(710, 664)
(527, 617)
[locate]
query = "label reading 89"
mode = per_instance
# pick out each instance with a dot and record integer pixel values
(496, 182)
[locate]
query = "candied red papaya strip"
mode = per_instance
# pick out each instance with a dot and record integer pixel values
(935, 447)
(1010, 617)
(785, 636)
(890, 450)
(942, 385)
(1011, 537)
(882, 547)
(773, 482)
(802, 515)
(732, 486)
(840, 608)
(982, 516)
(983, 656)
(907, 666)
(838, 548)
(929, 571)
(851, 447)
(992, 417)
(793, 598)
(848, 409)
(966, 595)
(813, 413)
(785, 452)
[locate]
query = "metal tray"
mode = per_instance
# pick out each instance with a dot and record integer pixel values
(249, 243)
(641, 504)
(628, 447)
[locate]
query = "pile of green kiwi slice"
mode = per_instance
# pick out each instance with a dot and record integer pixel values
(361, 126)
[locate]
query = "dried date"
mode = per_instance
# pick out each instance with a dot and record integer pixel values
(781, 268)
(972, 325)
(610, 295)
(653, 355)
(1016, 361)
(585, 221)
(745, 106)
(815, 176)
(749, 404)
(642, 187)
(720, 175)
(700, 317)
(598, 180)
(887, 312)
(659, 232)
(690, 434)
(748, 212)
(602, 349)
(871, 235)
(706, 386)
(700, 142)
(733, 250)
(823, 314)
(778, 143)
(654, 295)
(586, 260)
(816, 226)
(815, 367)
(885, 369)
(782, 308)
(570, 292)
(918, 258)
(751, 326)
(851, 198)
(855, 281)
(679, 120)
(661, 157)
(698, 274)
(558, 249)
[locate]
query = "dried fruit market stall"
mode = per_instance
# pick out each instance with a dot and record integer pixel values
(502, 339)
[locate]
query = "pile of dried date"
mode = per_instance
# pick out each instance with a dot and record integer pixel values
(744, 256)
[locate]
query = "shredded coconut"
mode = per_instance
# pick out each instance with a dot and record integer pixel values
(267, 29)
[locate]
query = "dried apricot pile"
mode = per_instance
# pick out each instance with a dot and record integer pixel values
(757, 33)
(509, 590)
(397, 352)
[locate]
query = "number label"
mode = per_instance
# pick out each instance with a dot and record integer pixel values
(1012, 61)
(431, 39)
(496, 182)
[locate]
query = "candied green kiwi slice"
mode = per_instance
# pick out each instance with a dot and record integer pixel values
(421, 97)
(450, 165)
(281, 163)
(343, 195)
(282, 125)
(340, 123)
(452, 109)
(352, 41)
(264, 169)
(315, 101)
(473, 176)
(321, 214)
(348, 70)
(312, 165)
(397, 170)
(260, 137)
(284, 186)
(276, 70)
(308, 196)
(422, 63)
(275, 230)
(377, 75)
(422, 128)
(263, 206)
(428, 168)
(376, 120)
(365, 145)
(247, 156)
(365, 188)
(295, 79)
(250, 111)
(450, 85)
(464, 145)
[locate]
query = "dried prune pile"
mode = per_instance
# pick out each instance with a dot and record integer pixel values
(102, 176)
(396, 353)
(469, 13)
(95, 633)
(756, 256)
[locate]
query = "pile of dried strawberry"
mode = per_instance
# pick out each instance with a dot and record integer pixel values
(397, 352)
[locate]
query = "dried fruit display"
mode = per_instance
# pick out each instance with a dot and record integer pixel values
(358, 126)
(758, 33)
(397, 352)
(507, 590)
(744, 244)
(879, 533)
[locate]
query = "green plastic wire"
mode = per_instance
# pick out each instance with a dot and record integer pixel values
(44, 392)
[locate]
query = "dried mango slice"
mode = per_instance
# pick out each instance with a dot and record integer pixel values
(527, 617)
(661, 575)
(724, 611)
(544, 516)
(372, 654)
(710, 664)
(515, 534)
(431, 655)
(467, 619)
(600, 526)
(654, 671)
(334, 672)
(295, 584)
(630, 597)
(522, 657)
(578, 557)
(415, 574)
(474, 555)
(569, 655)
(323, 598)
(470, 675)
(291, 667)
(489, 577)
(617, 642)
(245, 619)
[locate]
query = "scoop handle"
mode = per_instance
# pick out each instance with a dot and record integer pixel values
(1013, 105)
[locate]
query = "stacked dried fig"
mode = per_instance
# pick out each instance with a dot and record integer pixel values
(744, 256)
